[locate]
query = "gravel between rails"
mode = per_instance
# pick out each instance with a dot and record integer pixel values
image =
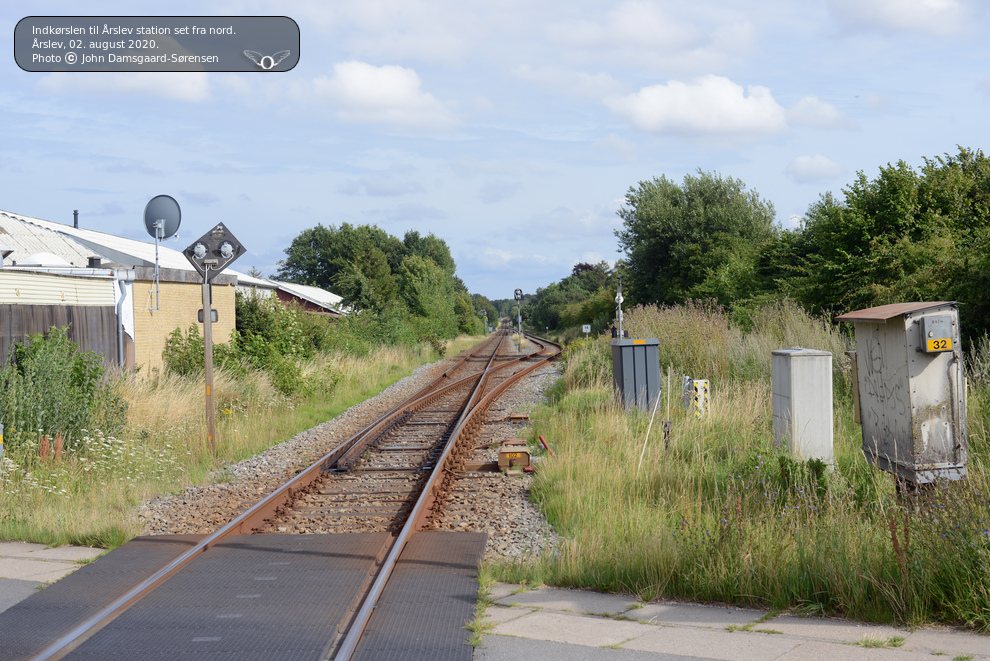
(497, 504)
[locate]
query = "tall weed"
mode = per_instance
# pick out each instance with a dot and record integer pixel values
(90, 492)
(52, 388)
(722, 514)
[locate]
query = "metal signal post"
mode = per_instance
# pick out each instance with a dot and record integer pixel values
(519, 297)
(212, 253)
(208, 359)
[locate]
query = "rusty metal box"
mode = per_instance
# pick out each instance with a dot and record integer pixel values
(513, 455)
(912, 393)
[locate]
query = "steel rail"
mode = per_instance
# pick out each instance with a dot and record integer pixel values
(250, 518)
(240, 524)
(349, 643)
(453, 459)
(426, 501)
(402, 412)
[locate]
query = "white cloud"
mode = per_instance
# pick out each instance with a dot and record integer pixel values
(935, 16)
(572, 83)
(643, 34)
(712, 106)
(635, 23)
(192, 86)
(812, 111)
(388, 95)
(813, 169)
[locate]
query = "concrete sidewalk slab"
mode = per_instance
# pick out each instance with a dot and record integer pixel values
(24, 567)
(575, 601)
(507, 648)
(711, 644)
(695, 615)
(831, 629)
(949, 642)
(501, 590)
(14, 591)
(35, 570)
(555, 623)
(818, 650)
(570, 628)
(499, 614)
(41, 552)
(72, 554)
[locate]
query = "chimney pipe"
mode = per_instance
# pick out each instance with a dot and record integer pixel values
(75, 219)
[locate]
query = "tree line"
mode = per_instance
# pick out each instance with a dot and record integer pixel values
(905, 235)
(409, 281)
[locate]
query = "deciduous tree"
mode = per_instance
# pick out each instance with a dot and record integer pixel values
(697, 239)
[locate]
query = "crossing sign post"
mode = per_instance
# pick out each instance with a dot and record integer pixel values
(209, 255)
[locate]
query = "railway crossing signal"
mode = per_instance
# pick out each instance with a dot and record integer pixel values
(210, 254)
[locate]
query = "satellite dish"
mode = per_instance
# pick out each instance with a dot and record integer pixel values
(162, 217)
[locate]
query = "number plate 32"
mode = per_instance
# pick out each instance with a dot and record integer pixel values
(939, 344)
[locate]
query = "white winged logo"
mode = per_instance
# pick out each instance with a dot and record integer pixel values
(266, 62)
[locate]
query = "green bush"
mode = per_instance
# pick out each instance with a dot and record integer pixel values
(51, 387)
(184, 355)
(285, 374)
(277, 340)
(282, 328)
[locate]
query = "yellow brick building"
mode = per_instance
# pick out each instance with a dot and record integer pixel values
(180, 298)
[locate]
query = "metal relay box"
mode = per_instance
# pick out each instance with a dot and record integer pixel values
(911, 389)
(636, 373)
(802, 403)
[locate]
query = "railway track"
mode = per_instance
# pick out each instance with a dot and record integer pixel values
(392, 478)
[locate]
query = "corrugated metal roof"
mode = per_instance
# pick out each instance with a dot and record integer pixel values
(312, 294)
(76, 245)
(27, 241)
(885, 312)
(128, 252)
(245, 280)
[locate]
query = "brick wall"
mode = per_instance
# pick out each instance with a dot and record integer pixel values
(179, 304)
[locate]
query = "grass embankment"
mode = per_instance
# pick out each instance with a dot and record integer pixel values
(88, 495)
(723, 515)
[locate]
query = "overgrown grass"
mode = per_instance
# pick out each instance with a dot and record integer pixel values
(89, 493)
(723, 515)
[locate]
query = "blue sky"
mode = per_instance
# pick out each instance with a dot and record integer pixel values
(510, 129)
